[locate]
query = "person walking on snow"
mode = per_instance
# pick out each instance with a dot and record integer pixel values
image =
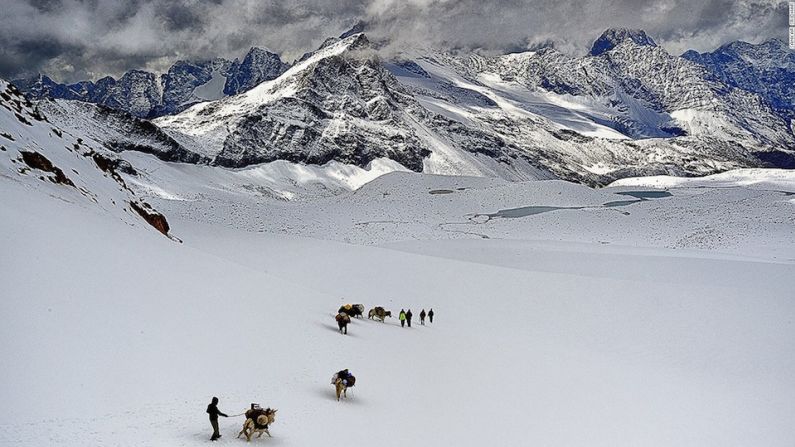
(430, 315)
(408, 317)
(422, 317)
(402, 318)
(214, 412)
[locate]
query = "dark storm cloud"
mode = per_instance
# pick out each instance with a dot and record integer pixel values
(77, 39)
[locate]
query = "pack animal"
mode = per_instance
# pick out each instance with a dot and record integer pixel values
(257, 421)
(342, 321)
(353, 310)
(378, 313)
(342, 383)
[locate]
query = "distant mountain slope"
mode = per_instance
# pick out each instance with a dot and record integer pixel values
(632, 110)
(628, 108)
(767, 68)
(144, 95)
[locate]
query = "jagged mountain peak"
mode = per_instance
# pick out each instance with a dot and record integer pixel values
(359, 27)
(259, 65)
(283, 85)
(612, 37)
(259, 52)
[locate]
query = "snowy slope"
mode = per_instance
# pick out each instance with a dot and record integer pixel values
(58, 160)
(762, 179)
(599, 346)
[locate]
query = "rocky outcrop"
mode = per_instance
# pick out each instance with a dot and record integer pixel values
(152, 217)
(37, 161)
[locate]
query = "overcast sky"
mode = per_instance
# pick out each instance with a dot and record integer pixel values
(73, 40)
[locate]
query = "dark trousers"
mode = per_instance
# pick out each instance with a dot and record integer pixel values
(430, 318)
(216, 434)
(408, 320)
(422, 321)
(402, 323)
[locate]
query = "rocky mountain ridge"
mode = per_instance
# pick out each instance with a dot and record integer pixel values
(628, 108)
(147, 95)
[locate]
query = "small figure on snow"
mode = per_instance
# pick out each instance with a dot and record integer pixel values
(408, 317)
(342, 381)
(257, 421)
(402, 318)
(342, 321)
(430, 315)
(214, 412)
(422, 317)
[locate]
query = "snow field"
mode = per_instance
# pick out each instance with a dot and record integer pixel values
(130, 335)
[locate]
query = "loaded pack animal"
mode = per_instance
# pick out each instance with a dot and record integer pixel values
(353, 310)
(342, 381)
(257, 421)
(342, 321)
(378, 313)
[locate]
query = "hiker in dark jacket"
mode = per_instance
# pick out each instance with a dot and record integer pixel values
(214, 412)
(422, 317)
(408, 317)
(430, 315)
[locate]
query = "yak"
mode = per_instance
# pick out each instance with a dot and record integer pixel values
(353, 310)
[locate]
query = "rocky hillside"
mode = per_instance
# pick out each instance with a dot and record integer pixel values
(767, 69)
(43, 152)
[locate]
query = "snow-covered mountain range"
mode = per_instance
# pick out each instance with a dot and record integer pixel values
(627, 108)
(146, 94)
(767, 69)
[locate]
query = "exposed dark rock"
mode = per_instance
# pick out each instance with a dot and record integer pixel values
(614, 36)
(152, 217)
(37, 161)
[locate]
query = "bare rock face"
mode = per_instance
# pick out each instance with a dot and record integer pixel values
(767, 69)
(258, 65)
(146, 95)
(37, 161)
(153, 218)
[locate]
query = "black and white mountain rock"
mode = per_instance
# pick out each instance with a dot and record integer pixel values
(258, 66)
(631, 109)
(615, 36)
(767, 69)
(627, 108)
(147, 95)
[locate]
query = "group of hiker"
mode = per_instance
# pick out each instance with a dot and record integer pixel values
(342, 379)
(405, 317)
(378, 313)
